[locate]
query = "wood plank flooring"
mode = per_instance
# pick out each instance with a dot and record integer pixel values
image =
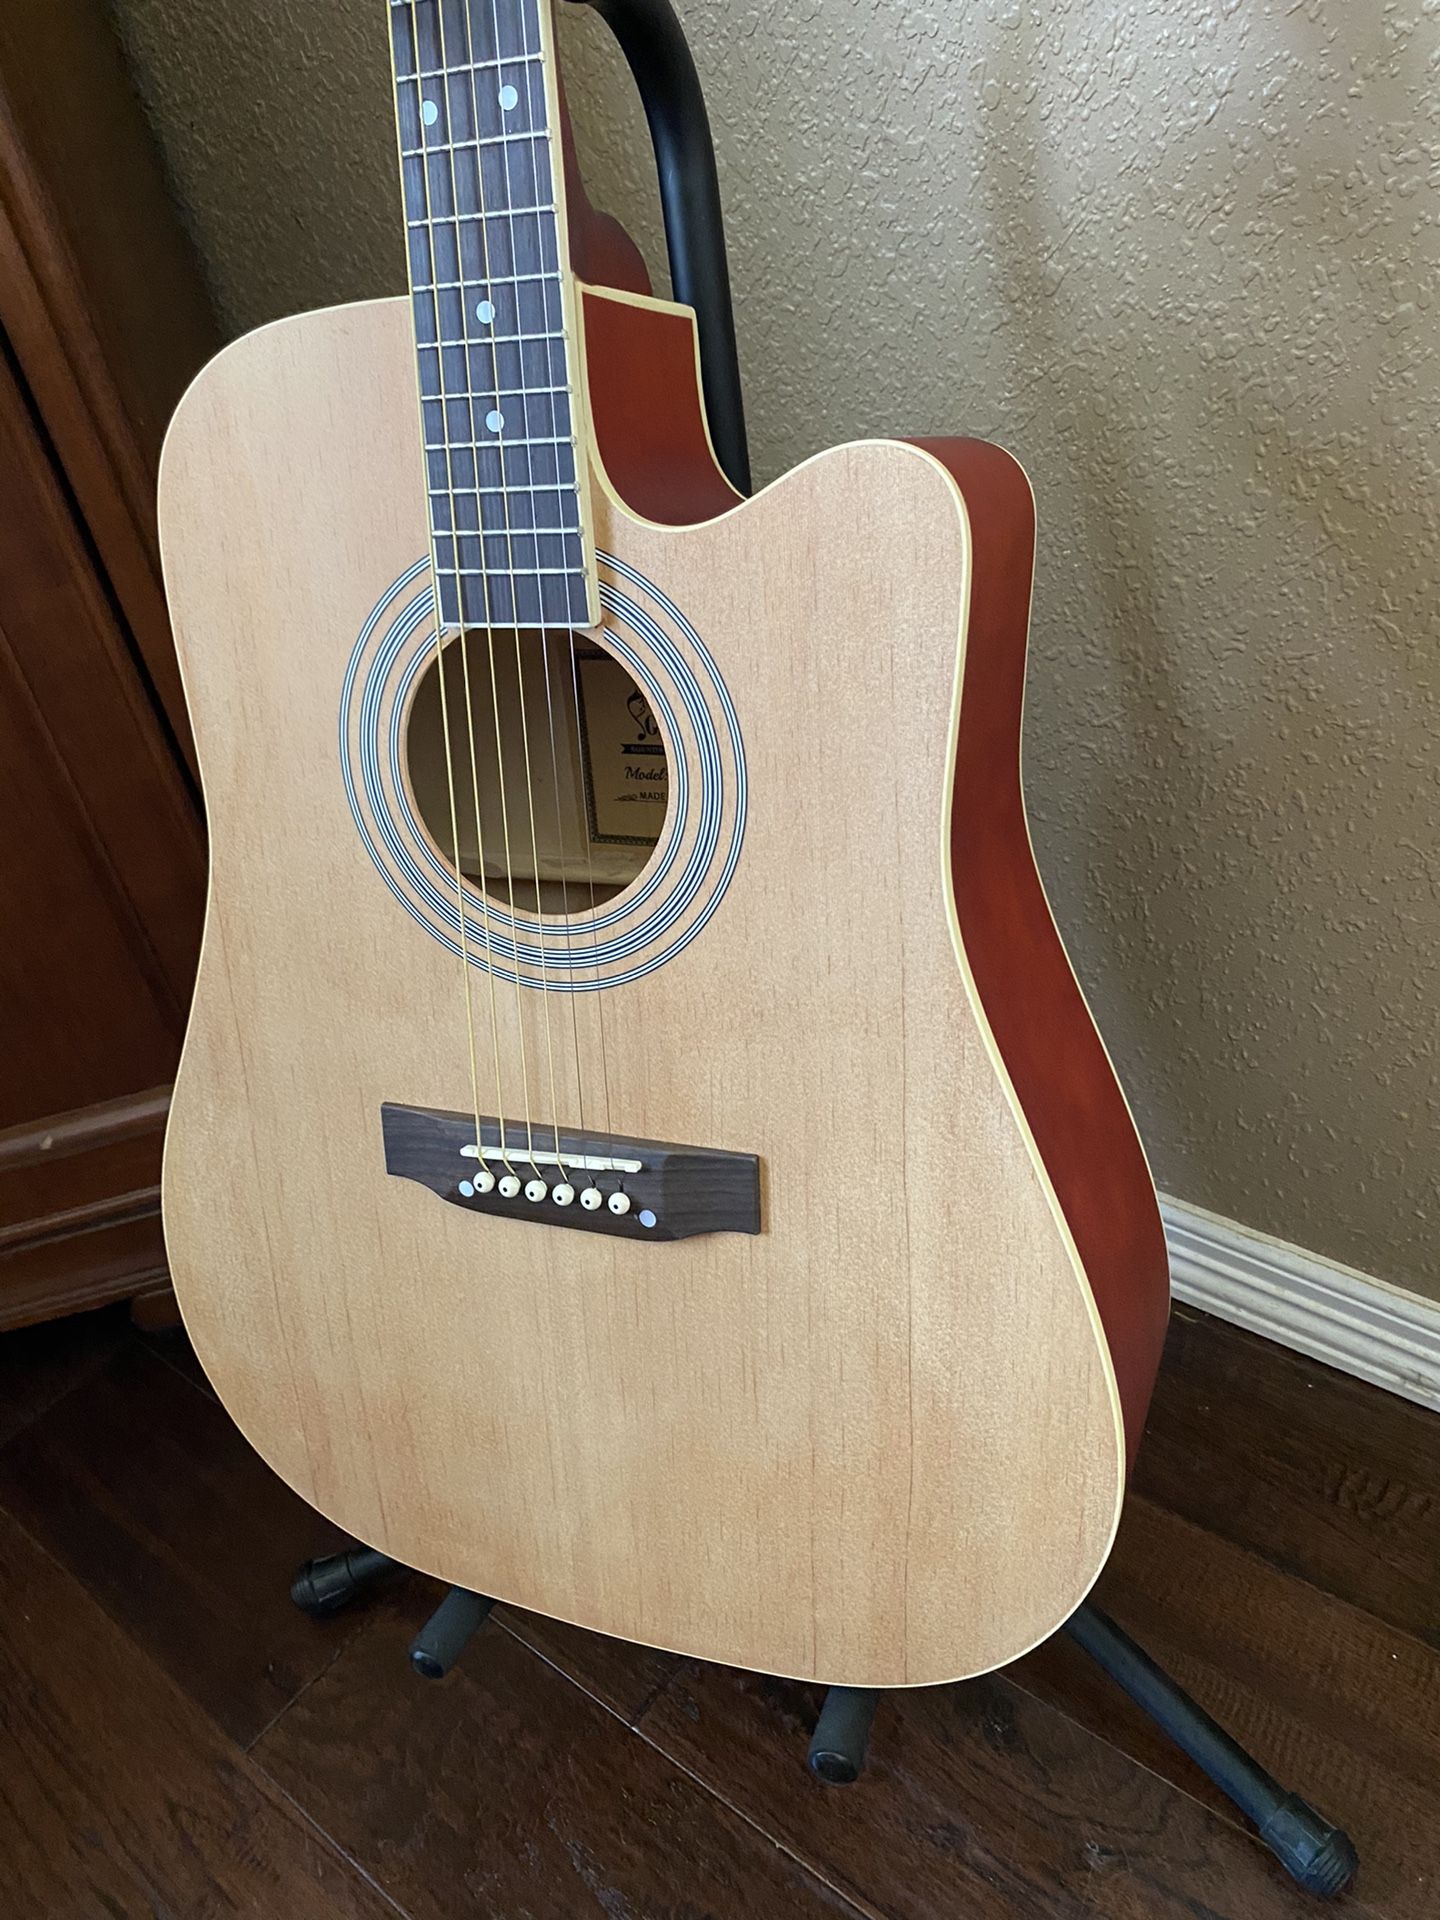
(176, 1742)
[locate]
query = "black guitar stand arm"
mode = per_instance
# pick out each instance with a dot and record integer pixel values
(659, 57)
(1315, 1853)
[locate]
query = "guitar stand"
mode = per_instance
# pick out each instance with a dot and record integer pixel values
(1318, 1855)
(1312, 1851)
(323, 1587)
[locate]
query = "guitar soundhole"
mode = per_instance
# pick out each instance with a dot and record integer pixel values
(556, 786)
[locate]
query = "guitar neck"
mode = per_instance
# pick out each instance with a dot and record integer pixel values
(493, 304)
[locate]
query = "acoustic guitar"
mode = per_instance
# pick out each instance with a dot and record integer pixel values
(640, 1151)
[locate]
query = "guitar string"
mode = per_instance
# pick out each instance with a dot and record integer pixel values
(423, 157)
(569, 933)
(444, 124)
(486, 578)
(585, 801)
(490, 630)
(560, 808)
(507, 195)
(584, 789)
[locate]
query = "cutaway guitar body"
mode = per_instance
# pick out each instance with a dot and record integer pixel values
(882, 1439)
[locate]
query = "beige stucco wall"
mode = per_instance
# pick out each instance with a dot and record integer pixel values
(1183, 257)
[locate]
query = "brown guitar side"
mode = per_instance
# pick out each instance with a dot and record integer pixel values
(1054, 1056)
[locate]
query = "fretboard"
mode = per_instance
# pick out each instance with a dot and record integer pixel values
(487, 278)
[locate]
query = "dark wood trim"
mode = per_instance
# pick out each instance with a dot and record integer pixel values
(70, 672)
(80, 1209)
(36, 1141)
(101, 297)
(157, 1311)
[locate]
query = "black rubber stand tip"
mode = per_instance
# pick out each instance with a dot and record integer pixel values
(835, 1769)
(837, 1748)
(443, 1638)
(1320, 1857)
(324, 1586)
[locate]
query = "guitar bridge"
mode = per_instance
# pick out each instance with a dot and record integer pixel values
(557, 1177)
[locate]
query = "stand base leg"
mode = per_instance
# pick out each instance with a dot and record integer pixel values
(445, 1635)
(1313, 1852)
(324, 1586)
(837, 1748)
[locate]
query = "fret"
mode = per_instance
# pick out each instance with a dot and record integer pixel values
(504, 446)
(508, 552)
(484, 573)
(493, 340)
(515, 138)
(474, 66)
(479, 284)
(511, 533)
(517, 533)
(528, 486)
(507, 547)
(494, 393)
(482, 213)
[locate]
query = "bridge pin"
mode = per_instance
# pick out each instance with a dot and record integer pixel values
(509, 1186)
(591, 1198)
(619, 1203)
(535, 1190)
(484, 1181)
(562, 1194)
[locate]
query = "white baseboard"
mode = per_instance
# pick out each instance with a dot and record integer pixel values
(1347, 1319)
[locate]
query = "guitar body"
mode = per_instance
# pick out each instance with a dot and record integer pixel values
(883, 1440)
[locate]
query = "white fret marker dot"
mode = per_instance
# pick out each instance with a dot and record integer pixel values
(485, 312)
(508, 98)
(429, 113)
(494, 420)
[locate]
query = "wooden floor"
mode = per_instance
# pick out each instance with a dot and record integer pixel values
(176, 1741)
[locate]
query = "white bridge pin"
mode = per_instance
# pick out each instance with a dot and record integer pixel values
(535, 1190)
(562, 1194)
(509, 1186)
(591, 1198)
(484, 1181)
(619, 1203)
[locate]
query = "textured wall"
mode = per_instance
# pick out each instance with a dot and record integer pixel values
(1184, 259)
